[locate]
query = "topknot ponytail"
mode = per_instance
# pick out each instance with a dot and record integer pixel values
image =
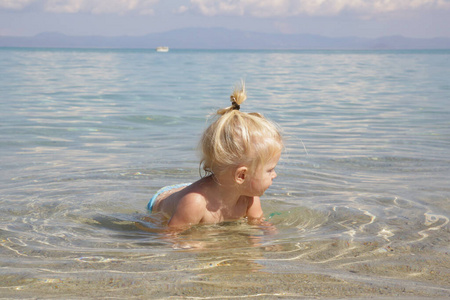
(237, 98)
(236, 138)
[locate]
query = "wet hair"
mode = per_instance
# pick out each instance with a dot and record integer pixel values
(238, 138)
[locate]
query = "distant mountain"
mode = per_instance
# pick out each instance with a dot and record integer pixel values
(220, 38)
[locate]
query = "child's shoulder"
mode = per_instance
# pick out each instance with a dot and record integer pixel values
(193, 198)
(191, 209)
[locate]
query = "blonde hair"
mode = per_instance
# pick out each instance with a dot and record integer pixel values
(238, 138)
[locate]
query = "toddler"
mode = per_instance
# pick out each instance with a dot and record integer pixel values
(239, 152)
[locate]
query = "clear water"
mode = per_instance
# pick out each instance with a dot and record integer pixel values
(361, 202)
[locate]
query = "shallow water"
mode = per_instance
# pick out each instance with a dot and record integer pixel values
(360, 204)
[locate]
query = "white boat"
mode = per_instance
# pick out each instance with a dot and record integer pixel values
(162, 49)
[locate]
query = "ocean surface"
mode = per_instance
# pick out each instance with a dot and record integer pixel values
(361, 204)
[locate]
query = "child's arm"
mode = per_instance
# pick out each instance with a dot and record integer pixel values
(254, 210)
(255, 216)
(189, 211)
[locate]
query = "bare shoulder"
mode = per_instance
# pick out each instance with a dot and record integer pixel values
(254, 210)
(190, 210)
(193, 201)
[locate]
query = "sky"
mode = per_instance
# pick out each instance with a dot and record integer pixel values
(332, 18)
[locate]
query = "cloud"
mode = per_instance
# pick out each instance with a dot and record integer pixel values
(15, 4)
(86, 6)
(286, 8)
(255, 8)
(182, 9)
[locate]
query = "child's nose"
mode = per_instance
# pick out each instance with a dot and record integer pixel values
(274, 175)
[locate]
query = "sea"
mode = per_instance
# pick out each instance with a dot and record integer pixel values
(360, 207)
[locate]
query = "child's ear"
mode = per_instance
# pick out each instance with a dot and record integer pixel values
(240, 175)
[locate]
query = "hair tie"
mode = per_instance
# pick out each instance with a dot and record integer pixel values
(235, 106)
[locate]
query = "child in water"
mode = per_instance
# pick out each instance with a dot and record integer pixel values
(239, 154)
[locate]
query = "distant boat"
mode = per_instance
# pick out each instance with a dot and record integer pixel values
(162, 49)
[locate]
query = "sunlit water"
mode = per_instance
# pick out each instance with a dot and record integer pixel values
(360, 204)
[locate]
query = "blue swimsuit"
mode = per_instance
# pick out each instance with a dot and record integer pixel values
(162, 190)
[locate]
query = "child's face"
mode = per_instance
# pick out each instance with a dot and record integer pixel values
(263, 176)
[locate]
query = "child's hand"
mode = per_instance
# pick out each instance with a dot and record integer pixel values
(267, 227)
(188, 245)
